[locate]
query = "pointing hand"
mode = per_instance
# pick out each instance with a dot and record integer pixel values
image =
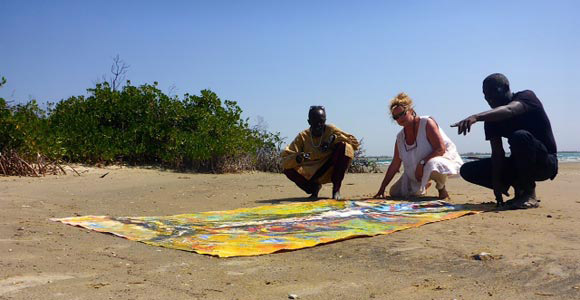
(464, 126)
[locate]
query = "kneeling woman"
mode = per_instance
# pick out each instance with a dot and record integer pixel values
(425, 151)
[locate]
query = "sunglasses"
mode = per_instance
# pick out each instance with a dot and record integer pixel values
(397, 116)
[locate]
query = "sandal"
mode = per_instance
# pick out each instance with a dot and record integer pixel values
(522, 203)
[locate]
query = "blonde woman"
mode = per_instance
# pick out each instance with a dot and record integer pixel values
(424, 150)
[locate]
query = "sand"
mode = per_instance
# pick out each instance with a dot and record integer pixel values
(534, 254)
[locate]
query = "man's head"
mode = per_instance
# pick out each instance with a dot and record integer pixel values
(496, 89)
(317, 120)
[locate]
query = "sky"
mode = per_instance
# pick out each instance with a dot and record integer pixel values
(276, 58)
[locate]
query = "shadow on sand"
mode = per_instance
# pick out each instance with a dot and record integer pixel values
(291, 199)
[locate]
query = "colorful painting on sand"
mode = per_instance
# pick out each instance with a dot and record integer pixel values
(272, 228)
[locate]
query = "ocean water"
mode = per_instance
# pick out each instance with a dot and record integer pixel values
(569, 156)
(563, 157)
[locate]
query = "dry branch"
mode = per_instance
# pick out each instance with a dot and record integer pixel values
(11, 164)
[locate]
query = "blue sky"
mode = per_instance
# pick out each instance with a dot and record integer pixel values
(276, 58)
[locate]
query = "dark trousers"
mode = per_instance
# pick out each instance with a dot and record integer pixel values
(529, 162)
(338, 160)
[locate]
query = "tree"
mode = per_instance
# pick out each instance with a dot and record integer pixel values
(118, 72)
(2, 101)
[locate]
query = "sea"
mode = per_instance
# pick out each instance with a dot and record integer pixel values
(563, 157)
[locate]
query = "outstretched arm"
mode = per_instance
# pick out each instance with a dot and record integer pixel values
(499, 113)
(391, 171)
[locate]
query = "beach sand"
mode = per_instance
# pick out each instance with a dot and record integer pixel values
(535, 254)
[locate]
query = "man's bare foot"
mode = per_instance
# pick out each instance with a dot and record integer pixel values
(443, 194)
(525, 199)
(522, 202)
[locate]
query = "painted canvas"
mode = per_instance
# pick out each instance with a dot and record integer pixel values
(272, 228)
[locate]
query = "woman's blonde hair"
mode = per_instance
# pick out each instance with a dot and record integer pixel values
(402, 100)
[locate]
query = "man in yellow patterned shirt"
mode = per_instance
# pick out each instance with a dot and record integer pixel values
(318, 155)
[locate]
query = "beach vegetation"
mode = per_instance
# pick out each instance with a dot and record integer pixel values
(361, 163)
(140, 125)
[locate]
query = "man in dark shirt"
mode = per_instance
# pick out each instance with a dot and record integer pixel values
(520, 118)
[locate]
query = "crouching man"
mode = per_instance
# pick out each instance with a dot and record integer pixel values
(520, 118)
(318, 155)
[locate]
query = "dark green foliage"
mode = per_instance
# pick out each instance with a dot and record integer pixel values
(138, 125)
(23, 127)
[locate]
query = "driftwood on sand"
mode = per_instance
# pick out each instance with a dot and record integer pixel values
(11, 164)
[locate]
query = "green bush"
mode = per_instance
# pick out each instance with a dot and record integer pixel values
(24, 128)
(138, 125)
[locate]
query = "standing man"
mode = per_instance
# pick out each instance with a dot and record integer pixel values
(318, 155)
(520, 118)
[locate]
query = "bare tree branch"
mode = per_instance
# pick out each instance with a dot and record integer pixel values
(119, 70)
(172, 90)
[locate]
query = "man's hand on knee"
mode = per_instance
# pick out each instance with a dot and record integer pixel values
(302, 156)
(328, 143)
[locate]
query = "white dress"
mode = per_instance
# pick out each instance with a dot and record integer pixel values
(411, 155)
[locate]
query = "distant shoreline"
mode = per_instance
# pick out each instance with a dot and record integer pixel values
(464, 154)
(563, 157)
